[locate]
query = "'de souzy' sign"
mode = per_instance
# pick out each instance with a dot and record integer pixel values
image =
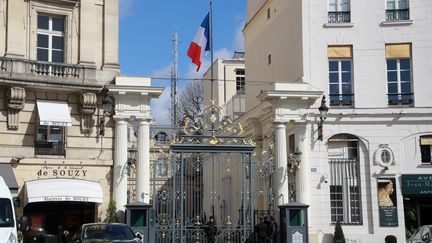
(62, 171)
(387, 203)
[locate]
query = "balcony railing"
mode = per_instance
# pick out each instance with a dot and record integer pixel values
(339, 17)
(341, 99)
(397, 14)
(49, 148)
(235, 107)
(400, 98)
(30, 70)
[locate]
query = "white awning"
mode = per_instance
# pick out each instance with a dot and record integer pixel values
(53, 113)
(58, 190)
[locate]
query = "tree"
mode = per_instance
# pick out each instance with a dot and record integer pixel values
(111, 213)
(191, 101)
(338, 234)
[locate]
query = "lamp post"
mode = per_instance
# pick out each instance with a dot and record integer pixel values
(323, 109)
(107, 106)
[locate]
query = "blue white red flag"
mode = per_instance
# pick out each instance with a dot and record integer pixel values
(200, 45)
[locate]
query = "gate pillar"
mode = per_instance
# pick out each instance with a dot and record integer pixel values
(132, 99)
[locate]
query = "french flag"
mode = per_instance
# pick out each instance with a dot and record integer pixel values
(201, 43)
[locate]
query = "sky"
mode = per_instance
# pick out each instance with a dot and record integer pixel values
(146, 32)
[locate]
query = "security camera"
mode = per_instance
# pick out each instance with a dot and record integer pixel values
(325, 178)
(17, 159)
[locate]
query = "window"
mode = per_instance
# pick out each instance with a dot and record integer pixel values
(50, 140)
(240, 81)
(339, 11)
(340, 75)
(161, 137)
(268, 13)
(397, 10)
(6, 216)
(50, 38)
(426, 149)
(399, 85)
(269, 59)
(345, 195)
(291, 144)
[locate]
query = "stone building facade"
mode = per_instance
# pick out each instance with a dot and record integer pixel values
(56, 139)
(367, 163)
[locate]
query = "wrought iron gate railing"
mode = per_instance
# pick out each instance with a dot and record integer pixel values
(210, 173)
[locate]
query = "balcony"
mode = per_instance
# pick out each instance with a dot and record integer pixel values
(235, 107)
(339, 17)
(46, 72)
(341, 99)
(49, 148)
(400, 98)
(397, 14)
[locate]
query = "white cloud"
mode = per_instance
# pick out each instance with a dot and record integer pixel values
(160, 107)
(126, 8)
(238, 44)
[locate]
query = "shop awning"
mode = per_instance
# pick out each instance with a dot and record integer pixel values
(53, 113)
(71, 190)
(8, 175)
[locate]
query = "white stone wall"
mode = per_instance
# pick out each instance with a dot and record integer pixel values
(371, 120)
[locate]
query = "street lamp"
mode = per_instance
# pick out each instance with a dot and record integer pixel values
(107, 106)
(323, 109)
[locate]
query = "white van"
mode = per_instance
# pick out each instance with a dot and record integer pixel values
(8, 225)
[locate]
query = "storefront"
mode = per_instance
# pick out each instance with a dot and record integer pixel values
(56, 208)
(417, 194)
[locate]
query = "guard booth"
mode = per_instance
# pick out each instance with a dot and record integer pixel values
(138, 218)
(294, 223)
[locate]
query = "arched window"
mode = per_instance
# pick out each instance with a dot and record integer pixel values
(161, 137)
(345, 197)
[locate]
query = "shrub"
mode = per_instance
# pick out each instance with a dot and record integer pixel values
(338, 234)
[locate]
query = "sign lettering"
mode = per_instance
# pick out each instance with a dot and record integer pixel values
(62, 171)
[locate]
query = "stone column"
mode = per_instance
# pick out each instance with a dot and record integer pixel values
(120, 163)
(303, 177)
(281, 172)
(143, 162)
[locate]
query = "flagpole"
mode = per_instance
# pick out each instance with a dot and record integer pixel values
(211, 48)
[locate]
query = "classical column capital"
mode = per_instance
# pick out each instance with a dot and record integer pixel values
(120, 120)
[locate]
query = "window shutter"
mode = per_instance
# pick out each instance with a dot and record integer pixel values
(339, 52)
(396, 51)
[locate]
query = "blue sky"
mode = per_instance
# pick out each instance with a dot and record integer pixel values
(146, 29)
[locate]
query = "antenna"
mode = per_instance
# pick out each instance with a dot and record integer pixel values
(174, 78)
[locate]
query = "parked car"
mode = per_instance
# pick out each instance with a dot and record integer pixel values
(103, 232)
(422, 235)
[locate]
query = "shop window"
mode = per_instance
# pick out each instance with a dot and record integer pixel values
(345, 195)
(50, 140)
(426, 149)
